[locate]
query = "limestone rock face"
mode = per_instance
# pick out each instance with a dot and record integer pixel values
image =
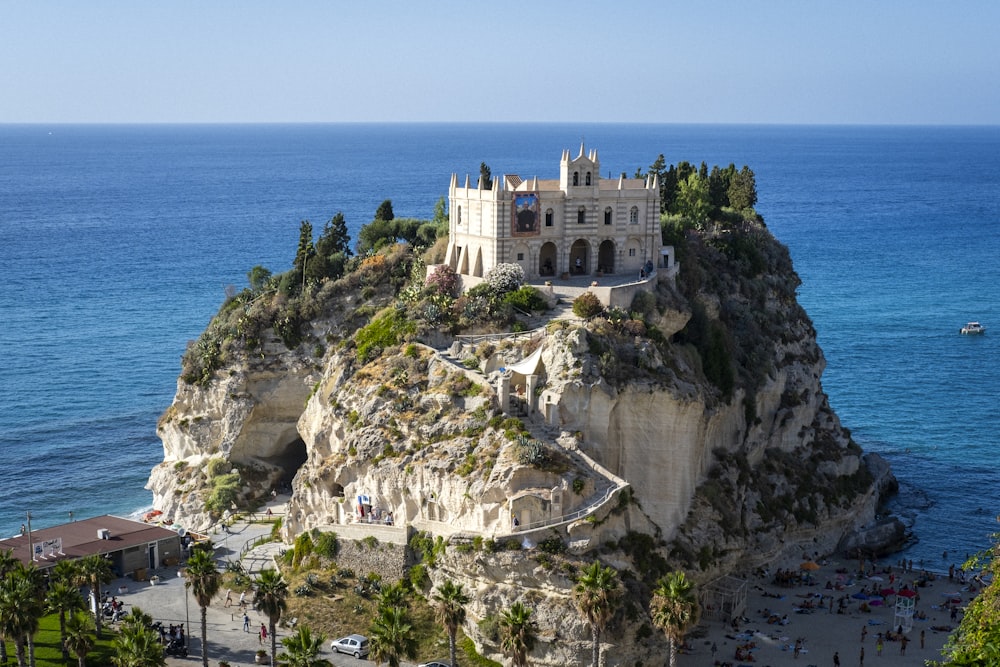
(699, 432)
(246, 418)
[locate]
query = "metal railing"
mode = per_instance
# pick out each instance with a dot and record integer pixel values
(572, 516)
(511, 335)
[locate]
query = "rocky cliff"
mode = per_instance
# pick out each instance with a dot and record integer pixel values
(691, 432)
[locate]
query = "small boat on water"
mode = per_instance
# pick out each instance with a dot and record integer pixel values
(973, 328)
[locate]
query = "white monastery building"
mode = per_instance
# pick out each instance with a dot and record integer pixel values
(578, 224)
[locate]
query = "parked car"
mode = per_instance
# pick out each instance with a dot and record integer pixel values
(436, 663)
(355, 645)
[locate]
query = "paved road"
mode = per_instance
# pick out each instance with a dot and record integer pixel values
(170, 603)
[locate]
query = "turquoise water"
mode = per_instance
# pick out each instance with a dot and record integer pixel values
(117, 243)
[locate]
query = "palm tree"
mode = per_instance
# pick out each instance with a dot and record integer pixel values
(137, 646)
(78, 639)
(271, 598)
(7, 562)
(66, 571)
(136, 618)
(449, 609)
(674, 609)
(517, 633)
(63, 598)
(204, 580)
(303, 649)
(94, 571)
(597, 594)
(393, 596)
(21, 609)
(392, 636)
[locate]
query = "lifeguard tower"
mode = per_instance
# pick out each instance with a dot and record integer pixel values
(904, 611)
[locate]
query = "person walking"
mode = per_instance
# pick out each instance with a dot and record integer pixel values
(263, 633)
(921, 639)
(246, 622)
(864, 633)
(229, 598)
(861, 659)
(836, 659)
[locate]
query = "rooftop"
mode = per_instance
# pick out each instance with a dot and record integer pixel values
(80, 538)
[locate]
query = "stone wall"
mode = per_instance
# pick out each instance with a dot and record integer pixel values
(383, 555)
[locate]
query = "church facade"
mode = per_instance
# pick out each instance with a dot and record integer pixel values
(578, 224)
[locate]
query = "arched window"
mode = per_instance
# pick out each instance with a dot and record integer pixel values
(633, 215)
(548, 217)
(588, 178)
(581, 215)
(576, 178)
(607, 216)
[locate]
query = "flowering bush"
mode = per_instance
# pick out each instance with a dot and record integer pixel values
(504, 278)
(443, 280)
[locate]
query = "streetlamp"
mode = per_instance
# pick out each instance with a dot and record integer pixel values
(187, 614)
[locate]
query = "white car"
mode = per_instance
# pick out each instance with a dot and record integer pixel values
(434, 664)
(355, 645)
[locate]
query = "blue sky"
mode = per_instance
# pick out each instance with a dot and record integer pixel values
(781, 61)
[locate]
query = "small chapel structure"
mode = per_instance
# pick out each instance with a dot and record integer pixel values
(577, 225)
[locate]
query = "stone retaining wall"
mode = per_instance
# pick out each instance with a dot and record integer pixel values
(368, 548)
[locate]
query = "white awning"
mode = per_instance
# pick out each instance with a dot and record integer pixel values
(529, 365)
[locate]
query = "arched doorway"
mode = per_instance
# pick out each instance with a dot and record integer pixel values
(547, 260)
(579, 257)
(606, 257)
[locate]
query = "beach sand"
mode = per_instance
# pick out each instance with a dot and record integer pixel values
(824, 633)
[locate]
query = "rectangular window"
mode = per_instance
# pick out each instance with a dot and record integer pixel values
(631, 252)
(548, 218)
(520, 256)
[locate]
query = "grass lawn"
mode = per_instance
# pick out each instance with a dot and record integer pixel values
(48, 653)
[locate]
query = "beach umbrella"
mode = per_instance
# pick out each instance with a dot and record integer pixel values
(907, 593)
(859, 596)
(888, 591)
(875, 578)
(809, 565)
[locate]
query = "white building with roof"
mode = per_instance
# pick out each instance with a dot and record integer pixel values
(578, 224)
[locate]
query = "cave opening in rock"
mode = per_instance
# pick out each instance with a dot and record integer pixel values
(289, 458)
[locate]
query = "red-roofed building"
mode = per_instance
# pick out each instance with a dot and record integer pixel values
(130, 545)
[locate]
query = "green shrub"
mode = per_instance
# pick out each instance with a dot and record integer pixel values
(326, 545)
(386, 330)
(526, 298)
(587, 305)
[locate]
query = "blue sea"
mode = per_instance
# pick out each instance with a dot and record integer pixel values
(117, 244)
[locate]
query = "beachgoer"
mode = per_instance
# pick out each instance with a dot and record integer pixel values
(902, 644)
(229, 598)
(836, 659)
(23, 529)
(861, 658)
(243, 599)
(246, 622)
(864, 633)
(878, 645)
(269, 513)
(921, 639)
(262, 635)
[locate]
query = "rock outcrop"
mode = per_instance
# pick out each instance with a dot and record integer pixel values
(691, 433)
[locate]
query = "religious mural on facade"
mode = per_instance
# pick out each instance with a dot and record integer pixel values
(526, 214)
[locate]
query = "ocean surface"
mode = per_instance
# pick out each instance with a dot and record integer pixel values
(117, 244)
